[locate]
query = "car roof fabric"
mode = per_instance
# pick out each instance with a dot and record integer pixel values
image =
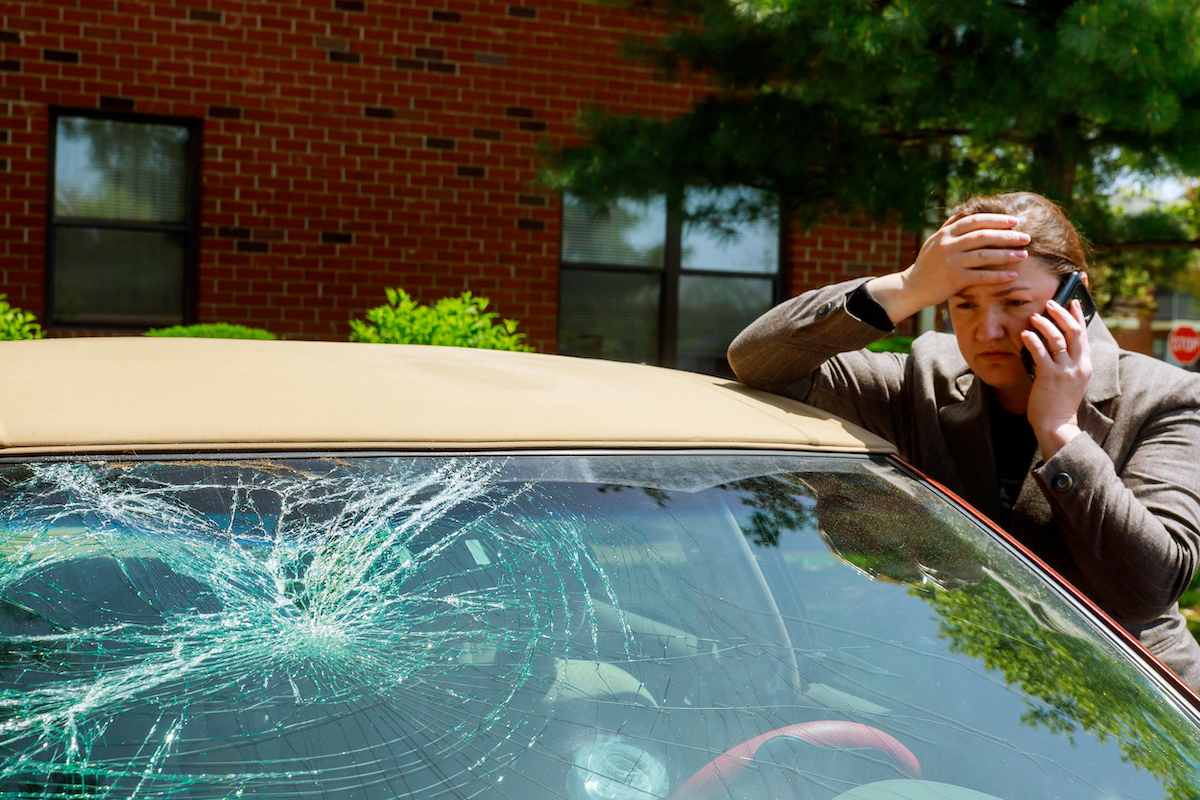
(135, 394)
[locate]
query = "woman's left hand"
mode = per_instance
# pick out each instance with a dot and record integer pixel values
(1064, 366)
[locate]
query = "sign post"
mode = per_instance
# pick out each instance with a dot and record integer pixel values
(1183, 345)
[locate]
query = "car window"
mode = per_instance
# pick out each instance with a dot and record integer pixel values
(573, 626)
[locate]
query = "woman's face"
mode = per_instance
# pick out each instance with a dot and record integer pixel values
(988, 321)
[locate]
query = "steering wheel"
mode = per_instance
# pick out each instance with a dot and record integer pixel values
(825, 733)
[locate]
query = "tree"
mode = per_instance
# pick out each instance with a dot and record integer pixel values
(897, 107)
(1069, 683)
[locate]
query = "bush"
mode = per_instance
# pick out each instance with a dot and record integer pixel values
(212, 330)
(892, 344)
(450, 322)
(16, 323)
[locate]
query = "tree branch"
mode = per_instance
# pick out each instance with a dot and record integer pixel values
(1150, 244)
(933, 134)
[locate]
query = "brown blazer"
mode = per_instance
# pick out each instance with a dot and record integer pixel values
(1116, 511)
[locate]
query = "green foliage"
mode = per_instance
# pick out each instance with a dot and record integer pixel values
(904, 107)
(892, 344)
(212, 330)
(16, 323)
(1075, 683)
(1137, 257)
(450, 322)
(1189, 604)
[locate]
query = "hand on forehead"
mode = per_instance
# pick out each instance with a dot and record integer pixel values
(963, 223)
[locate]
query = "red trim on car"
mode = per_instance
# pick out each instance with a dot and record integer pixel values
(1131, 640)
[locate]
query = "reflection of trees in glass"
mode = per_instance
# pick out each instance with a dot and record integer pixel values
(609, 314)
(602, 235)
(1080, 687)
(133, 171)
(889, 534)
(712, 310)
(1072, 685)
(778, 503)
(661, 497)
(733, 227)
(105, 275)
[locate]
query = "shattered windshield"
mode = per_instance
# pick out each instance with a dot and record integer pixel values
(603, 627)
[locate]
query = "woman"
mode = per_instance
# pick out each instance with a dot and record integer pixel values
(1093, 463)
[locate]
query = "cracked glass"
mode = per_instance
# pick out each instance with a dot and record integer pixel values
(590, 627)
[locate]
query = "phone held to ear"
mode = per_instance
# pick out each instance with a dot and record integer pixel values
(1069, 288)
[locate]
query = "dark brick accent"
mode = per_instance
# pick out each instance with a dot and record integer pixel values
(531, 200)
(345, 58)
(517, 111)
(63, 56)
(494, 59)
(443, 66)
(3, 137)
(524, 12)
(10, 66)
(331, 43)
(439, 144)
(349, 5)
(409, 63)
(429, 52)
(379, 111)
(203, 15)
(3, 165)
(335, 237)
(533, 125)
(116, 103)
(465, 171)
(224, 112)
(485, 133)
(10, 37)
(234, 233)
(531, 225)
(244, 246)
(445, 16)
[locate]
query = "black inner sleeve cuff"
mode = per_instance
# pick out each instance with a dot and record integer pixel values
(863, 307)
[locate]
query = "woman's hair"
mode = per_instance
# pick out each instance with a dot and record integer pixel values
(1053, 237)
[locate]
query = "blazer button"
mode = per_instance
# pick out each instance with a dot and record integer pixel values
(1062, 482)
(824, 310)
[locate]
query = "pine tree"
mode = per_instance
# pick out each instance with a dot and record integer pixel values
(900, 107)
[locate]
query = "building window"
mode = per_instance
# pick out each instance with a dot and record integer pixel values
(640, 284)
(122, 234)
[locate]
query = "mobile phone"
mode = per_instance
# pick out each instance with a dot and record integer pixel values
(1069, 288)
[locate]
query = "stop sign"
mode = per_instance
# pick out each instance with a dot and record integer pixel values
(1183, 343)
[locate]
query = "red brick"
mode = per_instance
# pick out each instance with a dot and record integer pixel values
(304, 159)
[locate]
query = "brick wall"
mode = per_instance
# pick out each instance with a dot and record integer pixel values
(350, 145)
(842, 248)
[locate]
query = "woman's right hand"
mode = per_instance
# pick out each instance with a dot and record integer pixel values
(966, 251)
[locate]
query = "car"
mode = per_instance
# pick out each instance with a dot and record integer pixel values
(307, 569)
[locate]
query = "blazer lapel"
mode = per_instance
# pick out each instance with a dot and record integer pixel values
(1105, 383)
(967, 432)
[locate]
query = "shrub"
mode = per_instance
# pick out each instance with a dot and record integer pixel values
(892, 344)
(17, 323)
(450, 322)
(212, 330)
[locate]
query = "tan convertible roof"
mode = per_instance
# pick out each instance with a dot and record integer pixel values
(138, 394)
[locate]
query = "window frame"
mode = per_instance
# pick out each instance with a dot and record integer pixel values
(189, 230)
(672, 272)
